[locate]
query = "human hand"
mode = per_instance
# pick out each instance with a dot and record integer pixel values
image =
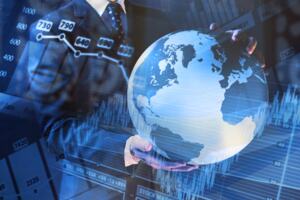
(138, 149)
(238, 35)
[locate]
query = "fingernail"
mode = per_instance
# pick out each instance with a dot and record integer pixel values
(250, 50)
(148, 147)
(213, 27)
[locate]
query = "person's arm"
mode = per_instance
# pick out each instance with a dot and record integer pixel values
(249, 44)
(80, 138)
(52, 72)
(238, 36)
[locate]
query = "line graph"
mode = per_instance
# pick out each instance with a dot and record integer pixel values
(77, 53)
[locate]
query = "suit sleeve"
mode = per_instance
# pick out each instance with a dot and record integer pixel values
(52, 74)
(76, 138)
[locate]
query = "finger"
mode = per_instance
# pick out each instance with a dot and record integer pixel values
(154, 166)
(172, 164)
(152, 159)
(140, 143)
(160, 166)
(261, 59)
(184, 168)
(155, 161)
(213, 27)
(141, 155)
(235, 34)
(252, 44)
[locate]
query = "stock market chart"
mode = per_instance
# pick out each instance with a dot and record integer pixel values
(267, 169)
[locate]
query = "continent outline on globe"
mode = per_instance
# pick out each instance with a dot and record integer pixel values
(161, 86)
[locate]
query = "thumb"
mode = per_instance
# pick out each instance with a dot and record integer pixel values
(139, 143)
(251, 45)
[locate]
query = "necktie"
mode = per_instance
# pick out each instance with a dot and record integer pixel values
(115, 12)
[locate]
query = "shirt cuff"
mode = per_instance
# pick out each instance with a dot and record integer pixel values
(129, 159)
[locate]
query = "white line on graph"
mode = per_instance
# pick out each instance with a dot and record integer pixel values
(77, 53)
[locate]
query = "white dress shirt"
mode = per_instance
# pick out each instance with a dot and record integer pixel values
(100, 5)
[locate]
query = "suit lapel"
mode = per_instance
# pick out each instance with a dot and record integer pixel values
(91, 21)
(93, 24)
(80, 8)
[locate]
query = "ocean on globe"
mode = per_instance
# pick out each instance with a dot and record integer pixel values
(197, 99)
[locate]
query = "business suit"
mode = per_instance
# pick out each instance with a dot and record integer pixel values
(71, 88)
(47, 72)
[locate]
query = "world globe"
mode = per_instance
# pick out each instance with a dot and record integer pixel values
(196, 98)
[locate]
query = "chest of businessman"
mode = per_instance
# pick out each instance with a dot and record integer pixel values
(91, 50)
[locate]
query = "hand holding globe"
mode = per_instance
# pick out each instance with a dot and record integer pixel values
(195, 100)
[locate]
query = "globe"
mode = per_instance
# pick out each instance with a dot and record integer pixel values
(196, 98)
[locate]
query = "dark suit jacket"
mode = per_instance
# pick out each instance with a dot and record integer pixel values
(70, 89)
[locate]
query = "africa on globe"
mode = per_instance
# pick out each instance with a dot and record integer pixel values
(197, 99)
